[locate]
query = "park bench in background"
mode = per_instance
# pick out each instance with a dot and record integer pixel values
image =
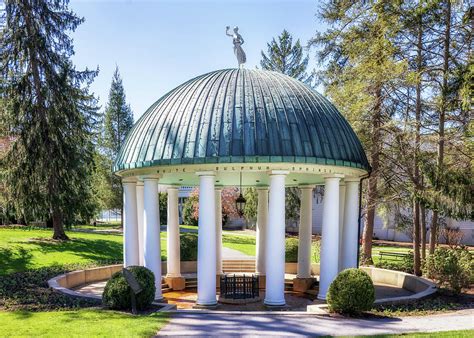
(393, 255)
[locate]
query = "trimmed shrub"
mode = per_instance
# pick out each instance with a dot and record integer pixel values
(117, 292)
(188, 246)
(450, 268)
(352, 292)
(291, 250)
(316, 251)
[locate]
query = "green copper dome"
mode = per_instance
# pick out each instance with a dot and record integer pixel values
(241, 116)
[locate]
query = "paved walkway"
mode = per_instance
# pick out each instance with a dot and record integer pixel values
(237, 324)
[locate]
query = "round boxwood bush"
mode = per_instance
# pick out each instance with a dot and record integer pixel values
(117, 292)
(188, 246)
(291, 250)
(352, 292)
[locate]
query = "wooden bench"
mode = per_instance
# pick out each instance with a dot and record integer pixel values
(393, 255)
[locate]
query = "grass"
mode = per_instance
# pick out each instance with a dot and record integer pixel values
(444, 334)
(244, 244)
(80, 323)
(23, 249)
(99, 226)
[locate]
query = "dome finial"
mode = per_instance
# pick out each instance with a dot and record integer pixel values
(238, 42)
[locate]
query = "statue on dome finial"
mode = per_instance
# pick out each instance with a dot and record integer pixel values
(238, 42)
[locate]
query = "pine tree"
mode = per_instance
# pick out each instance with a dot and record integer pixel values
(118, 117)
(118, 121)
(359, 71)
(51, 114)
(285, 57)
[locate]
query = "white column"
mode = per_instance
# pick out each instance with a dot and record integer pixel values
(305, 232)
(342, 198)
(140, 211)
(275, 243)
(151, 220)
(206, 274)
(262, 219)
(173, 255)
(130, 226)
(218, 193)
(330, 235)
(350, 235)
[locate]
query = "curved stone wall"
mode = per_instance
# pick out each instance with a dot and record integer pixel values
(420, 287)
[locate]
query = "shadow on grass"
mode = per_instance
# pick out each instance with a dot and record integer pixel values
(88, 249)
(22, 314)
(14, 259)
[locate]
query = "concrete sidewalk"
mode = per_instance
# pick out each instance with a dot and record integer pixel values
(248, 324)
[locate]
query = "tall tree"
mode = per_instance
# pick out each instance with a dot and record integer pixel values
(50, 111)
(285, 57)
(359, 72)
(118, 121)
(118, 116)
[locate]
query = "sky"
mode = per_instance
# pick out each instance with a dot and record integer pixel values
(160, 44)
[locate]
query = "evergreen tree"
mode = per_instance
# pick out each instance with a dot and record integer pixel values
(118, 117)
(118, 121)
(359, 71)
(51, 114)
(285, 57)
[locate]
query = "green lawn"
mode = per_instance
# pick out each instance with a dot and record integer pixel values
(23, 249)
(244, 244)
(446, 334)
(79, 323)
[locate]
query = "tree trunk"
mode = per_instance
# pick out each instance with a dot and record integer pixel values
(416, 238)
(416, 167)
(58, 227)
(442, 117)
(372, 184)
(423, 232)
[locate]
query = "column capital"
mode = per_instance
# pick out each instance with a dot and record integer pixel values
(326, 176)
(278, 172)
(127, 180)
(218, 188)
(151, 177)
(140, 183)
(352, 179)
(173, 187)
(205, 173)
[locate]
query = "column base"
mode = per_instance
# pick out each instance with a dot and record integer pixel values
(275, 307)
(218, 281)
(262, 281)
(321, 297)
(177, 283)
(302, 284)
(206, 307)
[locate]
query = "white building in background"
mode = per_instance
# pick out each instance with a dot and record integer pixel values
(381, 231)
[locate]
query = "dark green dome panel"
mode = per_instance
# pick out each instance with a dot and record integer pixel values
(239, 116)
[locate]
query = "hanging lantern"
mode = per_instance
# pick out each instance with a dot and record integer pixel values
(240, 201)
